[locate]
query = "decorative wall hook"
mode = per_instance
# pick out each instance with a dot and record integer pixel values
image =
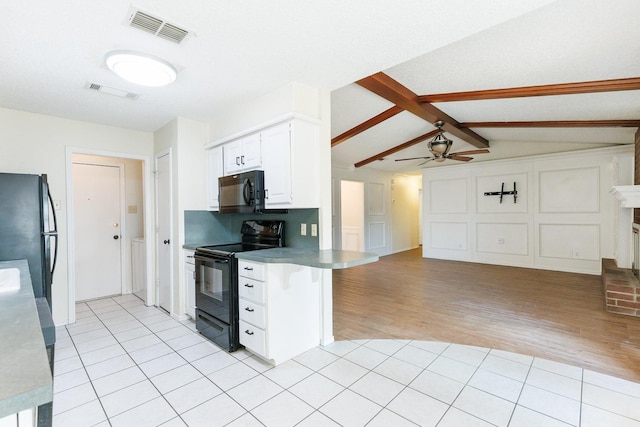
(502, 193)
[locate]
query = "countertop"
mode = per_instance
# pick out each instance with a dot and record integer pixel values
(328, 258)
(25, 377)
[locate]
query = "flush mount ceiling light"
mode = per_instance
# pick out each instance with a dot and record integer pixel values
(141, 68)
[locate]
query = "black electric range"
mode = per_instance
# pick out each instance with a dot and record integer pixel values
(217, 280)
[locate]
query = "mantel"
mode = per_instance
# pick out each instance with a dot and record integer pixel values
(628, 195)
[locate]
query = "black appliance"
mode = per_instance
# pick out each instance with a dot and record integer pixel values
(217, 280)
(27, 225)
(242, 193)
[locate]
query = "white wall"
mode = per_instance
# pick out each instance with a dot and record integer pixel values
(563, 219)
(36, 143)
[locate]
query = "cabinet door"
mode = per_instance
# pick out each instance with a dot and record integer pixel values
(214, 171)
(232, 157)
(251, 156)
(190, 284)
(276, 147)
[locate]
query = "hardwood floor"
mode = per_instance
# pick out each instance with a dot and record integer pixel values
(554, 315)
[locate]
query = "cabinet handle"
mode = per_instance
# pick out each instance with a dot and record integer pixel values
(266, 193)
(242, 159)
(190, 256)
(249, 268)
(246, 285)
(238, 161)
(249, 309)
(248, 332)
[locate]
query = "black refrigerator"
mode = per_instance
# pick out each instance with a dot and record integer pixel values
(28, 230)
(28, 227)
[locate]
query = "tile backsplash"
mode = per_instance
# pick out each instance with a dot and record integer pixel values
(210, 228)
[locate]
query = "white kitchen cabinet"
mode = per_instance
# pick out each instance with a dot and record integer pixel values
(190, 283)
(290, 162)
(279, 309)
(276, 159)
(243, 154)
(214, 171)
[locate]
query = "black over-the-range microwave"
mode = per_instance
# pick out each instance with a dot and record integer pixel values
(242, 193)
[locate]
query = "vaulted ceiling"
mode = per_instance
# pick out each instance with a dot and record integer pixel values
(564, 77)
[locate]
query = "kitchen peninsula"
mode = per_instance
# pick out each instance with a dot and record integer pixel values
(283, 311)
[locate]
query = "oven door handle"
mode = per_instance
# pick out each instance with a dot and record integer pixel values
(209, 259)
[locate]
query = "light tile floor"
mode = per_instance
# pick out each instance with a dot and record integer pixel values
(125, 364)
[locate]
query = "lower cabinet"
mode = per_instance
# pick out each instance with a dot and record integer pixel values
(279, 309)
(190, 283)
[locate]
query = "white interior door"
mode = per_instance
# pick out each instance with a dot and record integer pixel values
(352, 215)
(97, 230)
(163, 241)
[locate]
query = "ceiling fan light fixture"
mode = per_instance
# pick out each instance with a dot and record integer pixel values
(440, 144)
(141, 68)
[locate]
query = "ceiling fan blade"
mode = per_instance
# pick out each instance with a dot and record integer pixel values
(413, 158)
(462, 159)
(426, 161)
(482, 151)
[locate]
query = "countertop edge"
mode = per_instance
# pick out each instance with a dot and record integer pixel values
(23, 308)
(326, 259)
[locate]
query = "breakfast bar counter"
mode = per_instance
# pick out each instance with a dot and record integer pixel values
(328, 258)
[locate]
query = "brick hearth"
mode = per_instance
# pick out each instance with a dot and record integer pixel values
(621, 289)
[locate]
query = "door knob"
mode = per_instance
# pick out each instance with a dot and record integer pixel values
(116, 237)
(166, 242)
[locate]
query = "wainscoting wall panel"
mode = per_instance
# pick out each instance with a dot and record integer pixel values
(570, 190)
(491, 184)
(450, 236)
(563, 218)
(441, 192)
(570, 241)
(500, 238)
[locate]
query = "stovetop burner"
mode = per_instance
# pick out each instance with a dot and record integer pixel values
(233, 248)
(256, 234)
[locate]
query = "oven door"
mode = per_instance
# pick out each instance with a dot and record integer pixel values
(215, 289)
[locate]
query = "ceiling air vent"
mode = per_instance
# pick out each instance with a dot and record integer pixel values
(157, 26)
(112, 91)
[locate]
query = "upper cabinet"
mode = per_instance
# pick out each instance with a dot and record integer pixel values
(278, 179)
(290, 161)
(243, 154)
(214, 171)
(286, 149)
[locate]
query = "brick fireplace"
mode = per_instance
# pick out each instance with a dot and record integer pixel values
(621, 286)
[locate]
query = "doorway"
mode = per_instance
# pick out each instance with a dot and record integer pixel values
(352, 215)
(97, 210)
(135, 222)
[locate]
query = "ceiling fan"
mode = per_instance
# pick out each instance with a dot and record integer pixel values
(440, 145)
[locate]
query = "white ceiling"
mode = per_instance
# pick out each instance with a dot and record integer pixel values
(244, 49)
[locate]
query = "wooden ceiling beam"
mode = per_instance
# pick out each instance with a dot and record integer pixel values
(542, 90)
(554, 124)
(366, 125)
(391, 90)
(397, 148)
